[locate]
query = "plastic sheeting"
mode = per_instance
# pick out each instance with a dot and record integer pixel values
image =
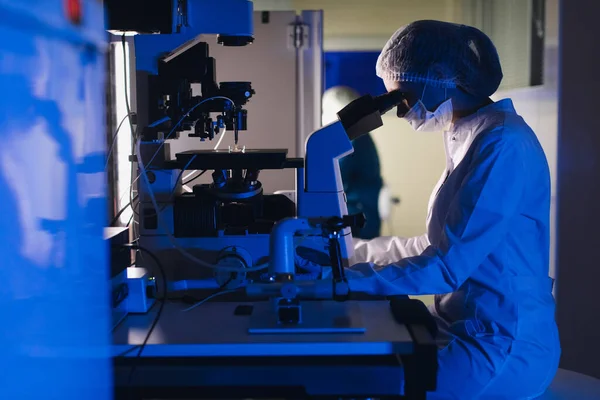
(54, 303)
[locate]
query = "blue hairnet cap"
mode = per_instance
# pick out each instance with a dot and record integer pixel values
(444, 55)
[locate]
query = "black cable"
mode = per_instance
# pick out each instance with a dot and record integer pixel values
(177, 180)
(114, 139)
(123, 43)
(193, 300)
(131, 186)
(121, 211)
(163, 207)
(123, 354)
(194, 178)
(131, 197)
(151, 214)
(162, 303)
(186, 299)
(227, 282)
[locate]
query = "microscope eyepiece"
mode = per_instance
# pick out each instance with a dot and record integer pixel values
(387, 101)
(363, 115)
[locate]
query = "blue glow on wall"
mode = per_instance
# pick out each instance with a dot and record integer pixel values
(353, 69)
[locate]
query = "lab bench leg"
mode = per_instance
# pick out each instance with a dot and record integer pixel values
(420, 368)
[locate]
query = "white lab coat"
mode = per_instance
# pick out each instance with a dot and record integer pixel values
(485, 256)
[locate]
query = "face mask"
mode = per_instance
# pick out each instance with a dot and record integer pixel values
(423, 120)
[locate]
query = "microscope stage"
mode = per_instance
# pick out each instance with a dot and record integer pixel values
(259, 159)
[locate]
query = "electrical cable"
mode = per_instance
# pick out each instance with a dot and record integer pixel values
(129, 350)
(125, 85)
(129, 222)
(160, 221)
(194, 178)
(174, 187)
(162, 303)
(214, 148)
(129, 188)
(190, 174)
(130, 192)
(167, 137)
(114, 139)
(184, 117)
(220, 139)
(220, 289)
(121, 211)
(181, 174)
(219, 292)
(133, 181)
(212, 296)
(173, 129)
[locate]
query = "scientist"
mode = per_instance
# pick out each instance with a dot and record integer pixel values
(361, 172)
(486, 251)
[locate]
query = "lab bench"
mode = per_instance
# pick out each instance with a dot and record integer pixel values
(208, 353)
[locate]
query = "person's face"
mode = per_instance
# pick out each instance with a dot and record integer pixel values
(431, 96)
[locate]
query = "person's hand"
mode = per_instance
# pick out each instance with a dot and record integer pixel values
(362, 277)
(310, 260)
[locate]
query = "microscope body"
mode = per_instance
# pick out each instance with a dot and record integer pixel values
(323, 193)
(229, 219)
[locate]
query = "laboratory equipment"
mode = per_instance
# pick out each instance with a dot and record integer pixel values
(141, 286)
(171, 100)
(287, 313)
(229, 232)
(132, 289)
(358, 118)
(179, 92)
(232, 214)
(179, 100)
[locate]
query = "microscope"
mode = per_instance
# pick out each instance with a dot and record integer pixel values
(228, 220)
(285, 312)
(229, 223)
(231, 215)
(225, 233)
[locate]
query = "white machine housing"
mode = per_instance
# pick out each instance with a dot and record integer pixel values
(320, 192)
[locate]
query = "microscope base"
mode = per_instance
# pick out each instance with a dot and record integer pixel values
(317, 317)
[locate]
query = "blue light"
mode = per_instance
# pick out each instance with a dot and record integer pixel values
(355, 69)
(54, 304)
